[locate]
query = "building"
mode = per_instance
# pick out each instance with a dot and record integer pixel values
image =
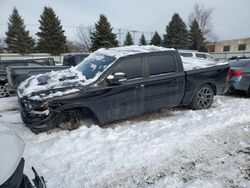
(226, 49)
(235, 45)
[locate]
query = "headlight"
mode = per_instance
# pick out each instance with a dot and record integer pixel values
(45, 105)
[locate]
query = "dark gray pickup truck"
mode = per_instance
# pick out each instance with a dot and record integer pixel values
(117, 83)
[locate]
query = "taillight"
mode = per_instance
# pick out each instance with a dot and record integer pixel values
(228, 74)
(236, 73)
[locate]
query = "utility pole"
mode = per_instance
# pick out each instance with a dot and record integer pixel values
(120, 36)
(134, 31)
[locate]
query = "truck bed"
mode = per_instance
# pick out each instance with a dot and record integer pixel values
(215, 75)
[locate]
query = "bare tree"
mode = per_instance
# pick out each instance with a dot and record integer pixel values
(204, 18)
(84, 34)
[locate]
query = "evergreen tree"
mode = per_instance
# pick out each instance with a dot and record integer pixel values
(176, 33)
(156, 39)
(51, 36)
(103, 37)
(128, 41)
(17, 38)
(196, 37)
(142, 40)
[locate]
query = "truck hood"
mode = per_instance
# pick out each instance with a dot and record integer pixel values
(55, 83)
(11, 149)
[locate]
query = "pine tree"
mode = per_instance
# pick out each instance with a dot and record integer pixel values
(156, 39)
(196, 37)
(17, 38)
(142, 40)
(176, 33)
(103, 37)
(51, 36)
(128, 41)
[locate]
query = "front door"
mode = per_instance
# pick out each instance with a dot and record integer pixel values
(126, 99)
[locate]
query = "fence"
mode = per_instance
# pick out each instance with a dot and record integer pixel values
(223, 56)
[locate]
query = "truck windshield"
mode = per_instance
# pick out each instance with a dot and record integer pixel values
(94, 66)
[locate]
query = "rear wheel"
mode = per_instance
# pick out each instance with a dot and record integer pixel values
(248, 92)
(3, 91)
(203, 97)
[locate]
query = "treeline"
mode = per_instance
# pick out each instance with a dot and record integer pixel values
(51, 37)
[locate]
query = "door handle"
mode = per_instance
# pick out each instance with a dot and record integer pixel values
(140, 86)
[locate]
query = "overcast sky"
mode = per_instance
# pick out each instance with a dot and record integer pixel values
(230, 17)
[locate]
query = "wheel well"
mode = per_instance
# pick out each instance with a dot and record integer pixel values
(213, 86)
(84, 111)
(2, 82)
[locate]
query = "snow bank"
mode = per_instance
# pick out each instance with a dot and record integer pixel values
(164, 149)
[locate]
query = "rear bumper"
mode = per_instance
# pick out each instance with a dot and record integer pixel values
(239, 83)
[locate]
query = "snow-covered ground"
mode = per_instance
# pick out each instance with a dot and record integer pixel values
(173, 148)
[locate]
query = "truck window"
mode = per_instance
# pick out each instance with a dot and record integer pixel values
(35, 64)
(201, 56)
(2, 66)
(161, 64)
(185, 54)
(131, 67)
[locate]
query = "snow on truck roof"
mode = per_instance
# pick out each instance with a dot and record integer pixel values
(130, 50)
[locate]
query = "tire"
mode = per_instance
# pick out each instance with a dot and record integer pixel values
(3, 91)
(203, 97)
(248, 92)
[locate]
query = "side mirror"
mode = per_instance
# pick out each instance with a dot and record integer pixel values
(116, 78)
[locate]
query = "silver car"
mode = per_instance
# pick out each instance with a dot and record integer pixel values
(239, 76)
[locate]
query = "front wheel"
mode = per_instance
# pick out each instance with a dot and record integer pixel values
(203, 98)
(3, 91)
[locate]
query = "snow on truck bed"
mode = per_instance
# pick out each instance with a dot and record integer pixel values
(175, 148)
(190, 63)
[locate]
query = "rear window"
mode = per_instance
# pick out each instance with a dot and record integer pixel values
(161, 64)
(2, 66)
(186, 54)
(201, 56)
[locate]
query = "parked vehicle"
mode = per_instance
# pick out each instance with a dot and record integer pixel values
(196, 54)
(12, 162)
(74, 59)
(240, 75)
(4, 64)
(17, 74)
(117, 83)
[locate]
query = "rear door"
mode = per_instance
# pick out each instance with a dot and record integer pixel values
(165, 84)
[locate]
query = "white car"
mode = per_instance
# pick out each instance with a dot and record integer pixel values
(12, 162)
(196, 54)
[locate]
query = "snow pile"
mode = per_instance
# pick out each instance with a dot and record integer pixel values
(191, 63)
(174, 148)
